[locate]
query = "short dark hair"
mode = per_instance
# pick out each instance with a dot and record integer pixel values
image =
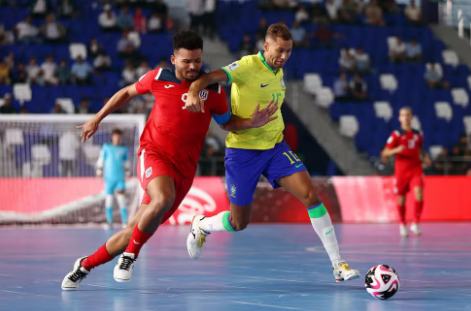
(407, 108)
(279, 30)
(117, 132)
(188, 40)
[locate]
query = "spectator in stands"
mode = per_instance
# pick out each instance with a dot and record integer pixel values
(7, 106)
(125, 19)
(341, 88)
(26, 32)
(4, 74)
(362, 61)
(66, 9)
(35, 75)
(302, 15)
(57, 109)
(374, 14)
(155, 23)
(126, 46)
(195, 9)
(459, 167)
(10, 60)
(389, 6)
(69, 144)
(263, 27)
(83, 108)
(6, 37)
(358, 88)
(143, 69)
(319, 15)
(140, 23)
(413, 13)
(40, 8)
(397, 50)
(246, 47)
(164, 64)
(433, 77)
(64, 73)
(280, 4)
(442, 164)
(52, 31)
(209, 18)
(212, 148)
(94, 48)
(107, 19)
(160, 7)
(81, 71)
(102, 62)
(332, 10)
(49, 69)
(346, 61)
(299, 35)
(384, 166)
(462, 145)
(414, 51)
(129, 74)
(20, 75)
(325, 37)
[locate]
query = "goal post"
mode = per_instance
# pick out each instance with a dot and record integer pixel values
(48, 176)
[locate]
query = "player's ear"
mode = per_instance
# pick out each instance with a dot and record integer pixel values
(265, 45)
(172, 59)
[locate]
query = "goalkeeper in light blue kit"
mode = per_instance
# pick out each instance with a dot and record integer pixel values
(114, 162)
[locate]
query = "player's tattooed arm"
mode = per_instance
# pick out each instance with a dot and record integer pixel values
(120, 98)
(193, 102)
(259, 118)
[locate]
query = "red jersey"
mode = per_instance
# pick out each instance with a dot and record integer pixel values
(175, 133)
(409, 158)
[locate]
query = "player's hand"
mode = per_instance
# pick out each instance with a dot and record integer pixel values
(99, 173)
(427, 161)
(194, 103)
(262, 117)
(88, 129)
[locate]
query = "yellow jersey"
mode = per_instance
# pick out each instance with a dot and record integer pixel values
(255, 82)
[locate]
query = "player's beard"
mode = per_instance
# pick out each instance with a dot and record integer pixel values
(191, 75)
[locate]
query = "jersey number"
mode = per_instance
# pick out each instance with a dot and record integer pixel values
(411, 144)
(292, 155)
(277, 95)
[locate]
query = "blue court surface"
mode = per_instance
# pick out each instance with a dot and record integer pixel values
(266, 267)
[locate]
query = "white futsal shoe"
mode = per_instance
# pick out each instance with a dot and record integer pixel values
(196, 238)
(403, 231)
(123, 269)
(344, 273)
(72, 280)
(415, 229)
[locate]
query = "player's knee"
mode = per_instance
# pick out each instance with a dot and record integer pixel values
(239, 224)
(310, 198)
(161, 205)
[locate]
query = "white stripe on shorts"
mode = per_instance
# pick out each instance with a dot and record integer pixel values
(143, 168)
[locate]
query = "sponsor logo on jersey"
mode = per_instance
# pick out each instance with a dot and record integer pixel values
(262, 86)
(149, 172)
(204, 94)
(233, 66)
(169, 86)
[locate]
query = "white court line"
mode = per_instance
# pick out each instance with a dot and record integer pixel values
(268, 306)
(21, 293)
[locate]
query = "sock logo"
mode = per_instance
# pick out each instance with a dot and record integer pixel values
(329, 231)
(135, 242)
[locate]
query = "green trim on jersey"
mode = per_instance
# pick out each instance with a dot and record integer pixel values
(228, 74)
(260, 54)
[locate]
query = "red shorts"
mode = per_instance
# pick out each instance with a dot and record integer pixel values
(152, 165)
(405, 181)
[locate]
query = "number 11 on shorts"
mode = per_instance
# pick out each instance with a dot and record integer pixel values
(292, 155)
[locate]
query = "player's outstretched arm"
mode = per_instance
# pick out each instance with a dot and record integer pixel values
(387, 152)
(193, 102)
(259, 118)
(120, 98)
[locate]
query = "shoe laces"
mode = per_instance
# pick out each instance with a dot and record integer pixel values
(344, 265)
(78, 275)
(126, 263)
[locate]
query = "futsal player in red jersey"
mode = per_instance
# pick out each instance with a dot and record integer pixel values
(406, 144)
(170, 147)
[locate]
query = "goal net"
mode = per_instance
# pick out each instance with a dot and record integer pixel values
(48, 176)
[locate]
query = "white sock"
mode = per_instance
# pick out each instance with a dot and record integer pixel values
(320, 220)
(218, 223)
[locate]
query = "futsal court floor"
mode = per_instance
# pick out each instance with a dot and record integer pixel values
(266, 267)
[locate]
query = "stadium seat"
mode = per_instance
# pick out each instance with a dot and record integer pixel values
(450, 57)
(443, 110)
(312, 83)
(416, 123)
(40, 156)
(435, 151)
(77, 49)
(324, 97)
(383, 110)
(92, 152)
(22, 92)
(388, 82)
(13, 137)
(467, 124)
(460, 97)
(349, 125)
(67, 104)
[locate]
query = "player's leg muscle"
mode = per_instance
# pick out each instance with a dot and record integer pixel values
(419, 194)
(162, 193)
(240, 216)
(299, 184)
(401, 200)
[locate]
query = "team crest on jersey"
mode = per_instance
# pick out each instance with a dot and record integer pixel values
(282, 83)
(204, 94)
(233, 191)
(149, 172)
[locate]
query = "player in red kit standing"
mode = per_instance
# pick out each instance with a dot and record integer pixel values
(170, 147)
(406, 144)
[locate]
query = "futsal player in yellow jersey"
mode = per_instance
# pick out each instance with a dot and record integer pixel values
(261, 151)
